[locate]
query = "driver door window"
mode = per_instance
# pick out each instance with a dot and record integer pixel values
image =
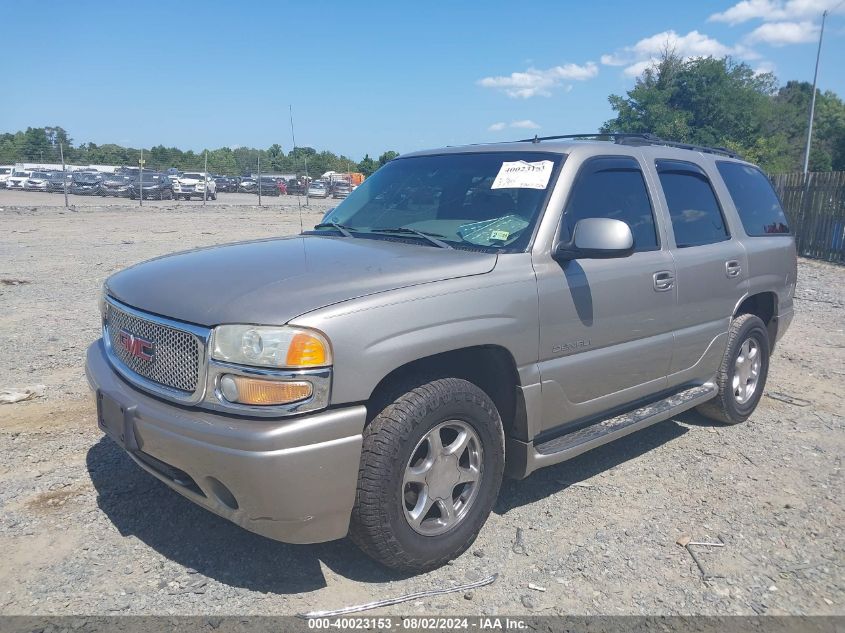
(613, 187)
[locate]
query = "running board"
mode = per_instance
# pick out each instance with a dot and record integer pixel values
(573, 444)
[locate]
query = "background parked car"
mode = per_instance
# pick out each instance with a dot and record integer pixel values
(248, 185)
(226, 183)
(86, 183)
(57, 181)
(296, 187)
(195, 185)
(318, 190)
(282, 186)
(17, 179)
(269, 186)
(5, 172)
(37, 181)
(151, 186)
(341, 189)
(116, 185)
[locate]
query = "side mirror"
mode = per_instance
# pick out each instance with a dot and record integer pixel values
(597, 238)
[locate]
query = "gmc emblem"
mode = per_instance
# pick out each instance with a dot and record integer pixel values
(138, 347)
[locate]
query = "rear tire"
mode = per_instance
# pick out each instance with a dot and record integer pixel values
(431, 467)
(741, 378)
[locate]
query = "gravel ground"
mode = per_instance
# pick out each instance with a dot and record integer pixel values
(84, 531)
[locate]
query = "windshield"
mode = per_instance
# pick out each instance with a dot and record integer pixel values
(192, 176)
(86, 178)
(150, 178)
(485, 199)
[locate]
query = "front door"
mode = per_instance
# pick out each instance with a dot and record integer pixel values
(605, 324)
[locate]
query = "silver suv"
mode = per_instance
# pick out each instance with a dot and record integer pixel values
(466, 312)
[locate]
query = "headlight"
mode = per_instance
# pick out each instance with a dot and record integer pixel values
(278, 347)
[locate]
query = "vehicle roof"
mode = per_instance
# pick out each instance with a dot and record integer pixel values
(584, 147)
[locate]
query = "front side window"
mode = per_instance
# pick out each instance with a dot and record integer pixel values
(695, 212)
(754, 198)
(486, 200)
(613, 187)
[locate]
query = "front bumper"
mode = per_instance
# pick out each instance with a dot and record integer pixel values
(291, 479)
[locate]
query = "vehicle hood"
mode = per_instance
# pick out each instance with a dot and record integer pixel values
(188, 181)
(273, 281)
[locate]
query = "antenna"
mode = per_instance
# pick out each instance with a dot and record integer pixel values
(293, 139)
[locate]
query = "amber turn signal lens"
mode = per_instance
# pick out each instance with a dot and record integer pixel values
(306, 350)
(254, 391)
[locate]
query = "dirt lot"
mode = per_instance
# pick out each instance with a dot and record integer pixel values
(84, 531)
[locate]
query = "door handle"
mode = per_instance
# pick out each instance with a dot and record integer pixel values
(732, 268)
(663, 280)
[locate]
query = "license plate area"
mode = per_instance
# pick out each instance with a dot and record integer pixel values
(116, 421)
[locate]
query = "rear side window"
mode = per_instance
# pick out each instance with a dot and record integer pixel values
(613, 188)
(754, 198)
(696, 215)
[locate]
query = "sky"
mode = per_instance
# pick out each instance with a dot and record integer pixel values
(371, 76)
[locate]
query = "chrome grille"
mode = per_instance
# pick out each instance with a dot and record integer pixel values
(176, 360)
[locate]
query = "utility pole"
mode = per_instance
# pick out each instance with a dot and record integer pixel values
(64, 173)
(259, 178)
(205, 175)
(141, 179)
(813, 99)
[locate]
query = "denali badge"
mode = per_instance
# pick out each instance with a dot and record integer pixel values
(139, 347)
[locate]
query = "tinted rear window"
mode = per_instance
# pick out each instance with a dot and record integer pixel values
(754, 198)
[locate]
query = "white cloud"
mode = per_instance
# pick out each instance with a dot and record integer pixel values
(784, 33)
(775, 10)
(764, 67)
(523, 124)
(534, 82)
(648, 50)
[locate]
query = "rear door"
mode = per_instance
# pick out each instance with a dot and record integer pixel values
(710, 267)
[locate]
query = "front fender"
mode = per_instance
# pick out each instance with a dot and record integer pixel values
(373, 336)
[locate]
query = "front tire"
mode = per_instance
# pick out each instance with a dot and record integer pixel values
(742, 375)
(431, 466)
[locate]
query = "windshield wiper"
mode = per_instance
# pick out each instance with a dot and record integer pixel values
(431, 237)
(346, 231)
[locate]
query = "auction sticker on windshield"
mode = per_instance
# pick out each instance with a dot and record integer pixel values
(520, 174)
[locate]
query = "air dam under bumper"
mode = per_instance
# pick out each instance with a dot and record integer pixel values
(292, 480)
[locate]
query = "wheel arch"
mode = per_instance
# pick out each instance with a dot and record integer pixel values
(763, 305)
(492, 368)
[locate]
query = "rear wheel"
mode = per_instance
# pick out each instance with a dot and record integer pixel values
(431, 466)
(742, 375)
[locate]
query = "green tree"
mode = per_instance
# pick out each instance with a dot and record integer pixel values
(367, 166)
(387, 157)
(707, 101)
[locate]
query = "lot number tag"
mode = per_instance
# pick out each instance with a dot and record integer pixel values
(522, 175)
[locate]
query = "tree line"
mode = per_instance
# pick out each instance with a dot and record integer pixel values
(46, 144)
(721, 103)
(702, 101)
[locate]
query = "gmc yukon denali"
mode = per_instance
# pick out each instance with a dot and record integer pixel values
(465, 313)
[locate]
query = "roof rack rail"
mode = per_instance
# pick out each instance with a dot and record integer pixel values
(636, 138)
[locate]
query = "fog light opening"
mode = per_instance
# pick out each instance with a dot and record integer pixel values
(222, 493)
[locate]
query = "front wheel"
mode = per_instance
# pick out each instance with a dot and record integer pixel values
(742, 375)
(431, 467)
